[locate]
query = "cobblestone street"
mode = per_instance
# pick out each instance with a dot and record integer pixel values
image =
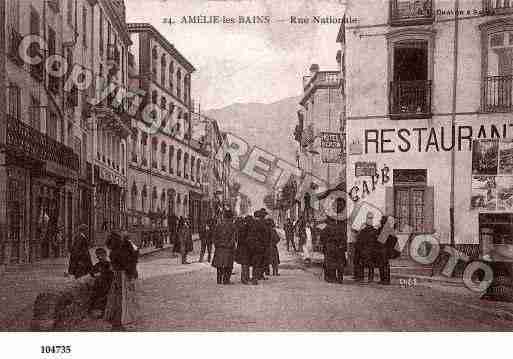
(187, 298)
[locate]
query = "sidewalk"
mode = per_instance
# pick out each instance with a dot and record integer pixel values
(21, 284)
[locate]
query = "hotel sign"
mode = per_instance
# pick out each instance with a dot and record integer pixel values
(331, 145)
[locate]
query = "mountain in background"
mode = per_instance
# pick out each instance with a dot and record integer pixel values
(268, 126)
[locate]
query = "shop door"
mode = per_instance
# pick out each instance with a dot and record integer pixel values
(15, 217)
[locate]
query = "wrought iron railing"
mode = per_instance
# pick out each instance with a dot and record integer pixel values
(498, 94)
(499, 7)
(325, 78)
(410, 98)
(39, 146)
(411, 12)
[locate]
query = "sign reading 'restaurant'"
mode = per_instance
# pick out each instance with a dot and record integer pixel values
(433, 139)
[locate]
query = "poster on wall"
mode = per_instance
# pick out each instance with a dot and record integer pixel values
(504, 193)
(485, 157)
(484, 193)
(506, 157)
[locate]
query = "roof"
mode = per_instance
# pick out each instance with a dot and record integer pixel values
(135, 27)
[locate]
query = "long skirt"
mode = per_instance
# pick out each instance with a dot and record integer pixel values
(122, 306)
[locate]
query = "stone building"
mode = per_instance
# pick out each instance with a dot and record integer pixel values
(166, 164)
(424, 87)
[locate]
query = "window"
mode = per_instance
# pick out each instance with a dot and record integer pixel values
(499, 7)
(84, 26)
(134, 197)
(179, 163)
(163, 70)
(410, 73)
(410, 201)
(154, 97)
(198, 167)
(411, 12)
(69, 12)
(35, 113)
(101, 32)
(163, 103)
(163, 152)
(144, 139)
(193, 160)
(179, 84)
(154, 57)
(154, 147)
(14, 101)
(53, 82)
(51, 125)
(186, 165)
(134, 146)
(171, 75)
(497, 65)
(144, 199)
(171, 159)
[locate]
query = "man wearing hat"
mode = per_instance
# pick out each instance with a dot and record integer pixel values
(334, 241)
(258, 240)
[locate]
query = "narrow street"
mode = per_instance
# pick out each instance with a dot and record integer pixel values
(186, 298)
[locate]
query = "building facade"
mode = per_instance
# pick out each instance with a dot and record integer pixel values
(321, 112)
(165, 166)
(429, 117)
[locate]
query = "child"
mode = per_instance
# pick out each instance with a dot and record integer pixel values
(102, 272)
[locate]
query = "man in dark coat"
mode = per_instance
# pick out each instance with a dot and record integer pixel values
(334, 242)
(365, 248)
(224, 242)
(385, 251)
(289, 234)
(243, 253)
(205, 235)
(172, 222)
(258, 239)
(80, 263)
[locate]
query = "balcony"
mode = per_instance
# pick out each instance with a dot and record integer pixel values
(410, 99)
(411, 12)
(14, 44)
(113, 54)
(34, 144)
(112, 116)
(321, 79)
(498, 94)
(499, 7)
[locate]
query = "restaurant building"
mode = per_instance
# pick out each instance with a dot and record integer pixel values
(429, 117)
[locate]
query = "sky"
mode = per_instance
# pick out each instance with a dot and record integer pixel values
(245, 63)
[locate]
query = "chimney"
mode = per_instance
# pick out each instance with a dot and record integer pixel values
(314, 69)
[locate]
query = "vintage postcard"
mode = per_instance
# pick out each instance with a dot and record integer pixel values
(255, 166)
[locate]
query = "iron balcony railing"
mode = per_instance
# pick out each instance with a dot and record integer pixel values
(499, 7)
(410, 99)
(34, 144)
(498, 94)
(411, 12)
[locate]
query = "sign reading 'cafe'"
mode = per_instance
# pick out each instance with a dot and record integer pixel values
(431, 139)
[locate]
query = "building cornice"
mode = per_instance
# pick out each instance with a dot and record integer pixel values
(146, 27)
(116, 21)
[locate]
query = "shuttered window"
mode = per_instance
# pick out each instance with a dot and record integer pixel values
(411, 203)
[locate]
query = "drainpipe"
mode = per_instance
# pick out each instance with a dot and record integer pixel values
(453, 117)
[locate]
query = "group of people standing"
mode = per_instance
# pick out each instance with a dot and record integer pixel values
(113, 294)
(251, 241)
(180, 234)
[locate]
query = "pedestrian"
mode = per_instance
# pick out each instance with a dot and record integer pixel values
(365, 249)
(334, 243)
(122, 306)
(289, 234)
(273, 244)
(386, 251)
(172, 223)
(300, 228)
(245, 248)
(185, 238)
(102, 274)
(80, 263)
(258, 239)
(206, 232)
(224, 242)
(308, 246)
(177, 247)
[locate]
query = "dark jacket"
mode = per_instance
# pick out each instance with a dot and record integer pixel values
(289, 229)
(367, 246)
(80, 263)
(334, 242)
(185, 236)
(224, 242)
(124, 257)
(243, 252)
(274, 257)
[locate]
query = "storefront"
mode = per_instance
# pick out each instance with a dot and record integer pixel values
(403, 169)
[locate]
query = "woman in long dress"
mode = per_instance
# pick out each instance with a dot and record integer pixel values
(122, 306)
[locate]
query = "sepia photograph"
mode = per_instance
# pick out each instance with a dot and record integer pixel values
(249, 166)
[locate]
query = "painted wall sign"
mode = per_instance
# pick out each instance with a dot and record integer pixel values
(364, 189)
(331, 145)
(365, 169)
(434, 139)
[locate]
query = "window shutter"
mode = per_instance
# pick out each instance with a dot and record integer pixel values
(389, 201)
(429, 210)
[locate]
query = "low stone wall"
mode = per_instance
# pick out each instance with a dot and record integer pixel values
(63, 309)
